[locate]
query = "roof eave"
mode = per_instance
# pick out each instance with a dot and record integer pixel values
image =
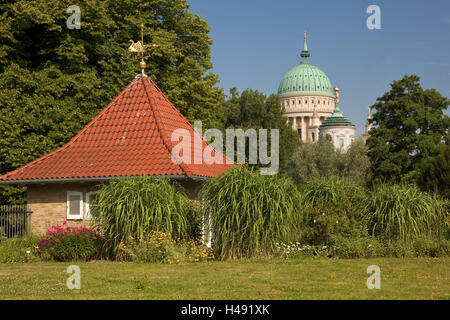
(100, 179)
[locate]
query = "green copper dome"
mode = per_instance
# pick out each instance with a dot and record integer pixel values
(337, 119)
(305, 78)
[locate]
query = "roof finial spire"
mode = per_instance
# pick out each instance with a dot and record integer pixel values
(305, 52)
(140, 48)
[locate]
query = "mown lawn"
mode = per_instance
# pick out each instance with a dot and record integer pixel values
(297, 279)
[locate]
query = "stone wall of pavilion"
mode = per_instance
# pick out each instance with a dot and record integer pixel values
(49, 202)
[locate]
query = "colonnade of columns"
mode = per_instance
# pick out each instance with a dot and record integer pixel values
(308, 132)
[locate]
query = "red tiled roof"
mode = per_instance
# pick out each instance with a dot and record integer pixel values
(130, 137)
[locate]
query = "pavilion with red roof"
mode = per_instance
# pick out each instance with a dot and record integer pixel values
(131, 137)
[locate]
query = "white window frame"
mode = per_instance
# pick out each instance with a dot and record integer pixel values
(87, 215)
(71, 216)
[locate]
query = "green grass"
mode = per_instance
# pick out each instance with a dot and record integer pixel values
(297, 279)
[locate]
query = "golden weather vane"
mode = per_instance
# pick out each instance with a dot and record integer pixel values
(140, 48)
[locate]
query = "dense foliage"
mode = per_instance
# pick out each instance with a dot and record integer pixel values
(409, 141)
(136, 206)
(54, 80)
(321, 159)
(18, 250)
(249, 212)
(402, 212)
(254, 110)
(159, 247)
(331, 206)
(64, 243)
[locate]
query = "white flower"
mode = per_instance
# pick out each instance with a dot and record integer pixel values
(28, 251)
(315, 221)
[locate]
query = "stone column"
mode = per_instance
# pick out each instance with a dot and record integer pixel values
(304, 134)
(294, 123)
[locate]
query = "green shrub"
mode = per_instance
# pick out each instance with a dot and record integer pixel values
(355, 247)
(297, 250)
(136, 206)
(331, 206)
(19, 250)
(403, 212)
(249, 212)
(428, 247)
(64, 243)
(159, 247)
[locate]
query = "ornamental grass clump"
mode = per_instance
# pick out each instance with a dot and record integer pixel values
(134, 207)
(249, 213)
(403, 212)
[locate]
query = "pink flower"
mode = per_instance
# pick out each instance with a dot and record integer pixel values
(24, 239)
(95, 238)
(51, 237)
(56, 240)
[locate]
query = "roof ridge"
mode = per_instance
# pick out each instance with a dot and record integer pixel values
(159, 124)
(71, 141)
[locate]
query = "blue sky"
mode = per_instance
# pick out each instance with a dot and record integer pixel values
(256, 42)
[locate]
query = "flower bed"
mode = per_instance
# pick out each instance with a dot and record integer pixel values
(64, 243)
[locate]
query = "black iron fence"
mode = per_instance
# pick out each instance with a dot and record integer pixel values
(15, 221)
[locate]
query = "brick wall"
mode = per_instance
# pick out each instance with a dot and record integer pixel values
(49, 202)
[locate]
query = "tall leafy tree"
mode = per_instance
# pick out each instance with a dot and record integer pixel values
(54, 80)
(321, 159)
(409, 127)
(254, 110)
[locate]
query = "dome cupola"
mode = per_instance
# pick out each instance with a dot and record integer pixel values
(305, 78)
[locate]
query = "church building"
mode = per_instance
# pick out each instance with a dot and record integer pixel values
(312, 105)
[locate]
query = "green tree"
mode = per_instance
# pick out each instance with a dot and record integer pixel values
(54, 80)
(253, 109)
(321, 159)
(409, 127)
(356, 163)
(314, 160)
(433, 174)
